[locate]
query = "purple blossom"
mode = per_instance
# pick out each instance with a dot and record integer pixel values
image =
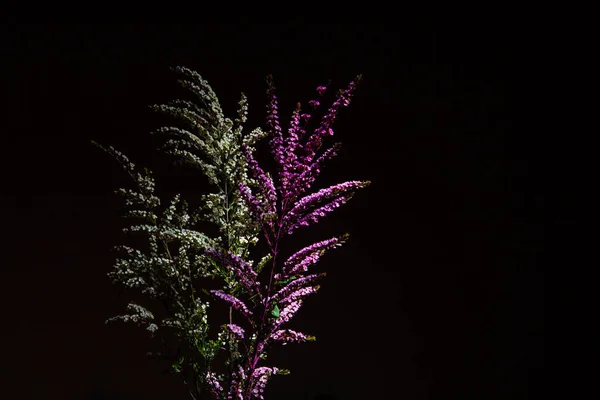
(304, 180)
(305, 210)
(274, 127)
(260, 347)
(236, 303)
(313, 216)
(296, 171)
(214, 385)
(287, 313)
(242, 268)
(258, 212)
(260, 376)
(254, 205)
(296, 284)
(273, 122)
(299, 294)
(299, 159)
(236, 390)
(237, 331)
(302, 266)
(266, 183)
(302, 259)
(314, 142)
(286, 169)
(332, 191)
(290, 336)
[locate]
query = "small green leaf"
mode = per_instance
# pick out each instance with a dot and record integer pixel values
(275, 311)
(177, 365)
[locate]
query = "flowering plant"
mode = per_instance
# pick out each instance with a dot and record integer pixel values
(248, 203)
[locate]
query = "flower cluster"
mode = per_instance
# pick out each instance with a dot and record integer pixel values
(304, 258)
(246, 201)
(310, 208)
(298, 284)
(243, 270)
(289, 336)
(280, 209)
(236, 330)
(259, 378)
(299, 294)
(234, 302)
(215, 388)
(298, 162)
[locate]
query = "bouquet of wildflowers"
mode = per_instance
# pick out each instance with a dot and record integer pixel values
(247, 205)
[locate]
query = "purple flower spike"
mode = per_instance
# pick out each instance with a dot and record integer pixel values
(302, 259)
(234, 302)
(236, 330)
(256, 207)
(260, 376)
(295, 285)
(324, 129)
(242, 268)
(236, 390)
(281, 207)
(214, 385)
(305, 211)
(287, 313)
(273, 125)
(299, 294)
(290, 336)
(268, 191)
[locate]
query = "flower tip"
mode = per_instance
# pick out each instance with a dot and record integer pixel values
(314, 103)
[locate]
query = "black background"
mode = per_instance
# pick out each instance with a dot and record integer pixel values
(437, 295)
